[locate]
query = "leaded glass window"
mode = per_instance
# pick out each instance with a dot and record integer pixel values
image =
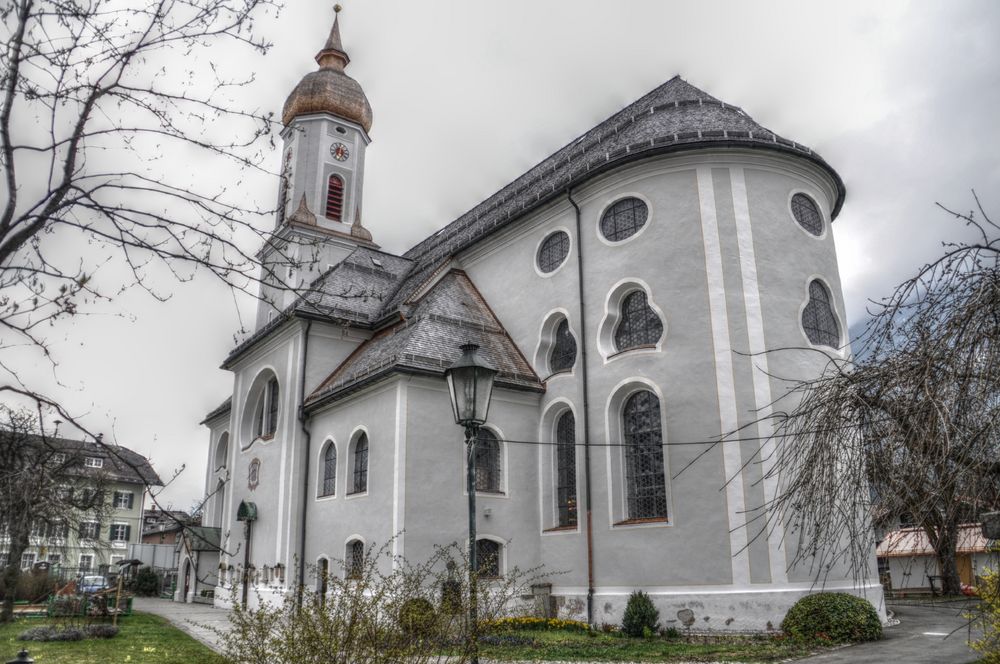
(807, 214)
(566, 469)
(272, 406)
(355, 559)
(624, 219)
(644, 478)
(818, 319)
(553, 251)
(488, 558)
(639, 325)
(563, 350)
(487, 462)
(361, 464)
(330, 470)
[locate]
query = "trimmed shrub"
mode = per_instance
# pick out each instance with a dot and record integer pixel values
(417, 617)
(147, 582)
(51, 634)
(988, 616)
(101, 631)
(533, 623)
(641, 617)
(836, 617)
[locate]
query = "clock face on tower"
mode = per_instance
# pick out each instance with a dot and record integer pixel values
(339, 152)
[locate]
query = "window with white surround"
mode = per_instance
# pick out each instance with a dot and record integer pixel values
(488, 462)
(222, 452)
(58, 457)
(807, 214)
(93, 462)
(55, 558)
(90, 530)
(639, 325)
(119, 532)
(86, 562)
(818, 318)
(624, 219)
(27, 560)
(355, 559)
(488, 558)
(4, 559)
(359, 464)
(329, 480)
(566, 470)
(645, 483)
(563, 355)
(267, 410)
(124, 500)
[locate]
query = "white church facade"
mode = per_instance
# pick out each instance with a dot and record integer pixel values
(626, 287)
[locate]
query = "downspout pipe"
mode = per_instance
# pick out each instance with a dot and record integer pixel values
(304, 421)
(586, 408)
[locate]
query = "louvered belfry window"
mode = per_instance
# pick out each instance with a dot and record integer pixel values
(566, 469)
(330, 470)
(563, 350)
(818, 319)
(639, 324)
(807, 214)
(644, 477)
(361, 464)
(335, 198)
(487, 462)
(624, 219)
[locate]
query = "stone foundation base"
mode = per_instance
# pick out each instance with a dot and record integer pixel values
(713, 608)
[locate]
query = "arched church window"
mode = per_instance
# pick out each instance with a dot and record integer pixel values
(644, 478)
(487, 462)
(335, 198)
(361, 464)
(488, 558)
(322, 580)
(639, 324)
(329, 470)
(553, 251)
(566, 469)
(355, 559)
(807, 214)
(624, 219)
(818, 319)
(222, 452)
(563, 355)
(267, 413)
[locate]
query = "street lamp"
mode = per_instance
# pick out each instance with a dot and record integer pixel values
(470, 385)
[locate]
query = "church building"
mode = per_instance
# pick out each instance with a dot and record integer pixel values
(628, 289)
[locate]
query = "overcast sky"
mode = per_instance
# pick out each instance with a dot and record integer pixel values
(901, 98)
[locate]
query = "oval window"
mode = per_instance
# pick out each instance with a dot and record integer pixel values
(624, 219)
(807, 214)
(553, 251)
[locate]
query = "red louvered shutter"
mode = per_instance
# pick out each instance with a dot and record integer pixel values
(335, 198)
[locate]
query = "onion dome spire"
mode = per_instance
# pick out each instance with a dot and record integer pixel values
(329, 89)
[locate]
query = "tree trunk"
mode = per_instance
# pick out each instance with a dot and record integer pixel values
(10, 576)
(944, 548)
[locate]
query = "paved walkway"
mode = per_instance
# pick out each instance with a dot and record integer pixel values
(925, 635)
(198, 620)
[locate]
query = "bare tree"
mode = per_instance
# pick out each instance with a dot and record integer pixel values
(909, 425)
(45, 492)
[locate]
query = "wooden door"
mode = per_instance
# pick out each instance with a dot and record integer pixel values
(964, 563)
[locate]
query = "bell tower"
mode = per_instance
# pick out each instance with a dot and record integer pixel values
(327, 118)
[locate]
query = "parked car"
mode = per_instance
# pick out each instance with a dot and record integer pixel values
(92, 584)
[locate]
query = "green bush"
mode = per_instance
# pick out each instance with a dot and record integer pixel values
(417, 617)
(988, 616)
(641, 617)
(147, 582)
(836, 617)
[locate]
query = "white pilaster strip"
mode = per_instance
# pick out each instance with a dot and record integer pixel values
(759, 370)
(287, 408)
(399, 473)
(725, 383)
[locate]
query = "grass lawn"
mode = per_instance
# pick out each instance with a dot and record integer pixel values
(556, 645)
(143, 639)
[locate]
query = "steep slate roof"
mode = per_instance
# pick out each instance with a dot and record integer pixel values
(674, 117)
(120, 464)
(450, 313)
(224, 407)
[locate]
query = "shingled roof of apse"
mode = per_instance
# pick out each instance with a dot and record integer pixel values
(451, 313)
(674, 116)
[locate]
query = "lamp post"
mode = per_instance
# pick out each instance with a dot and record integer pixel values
(470, 385)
